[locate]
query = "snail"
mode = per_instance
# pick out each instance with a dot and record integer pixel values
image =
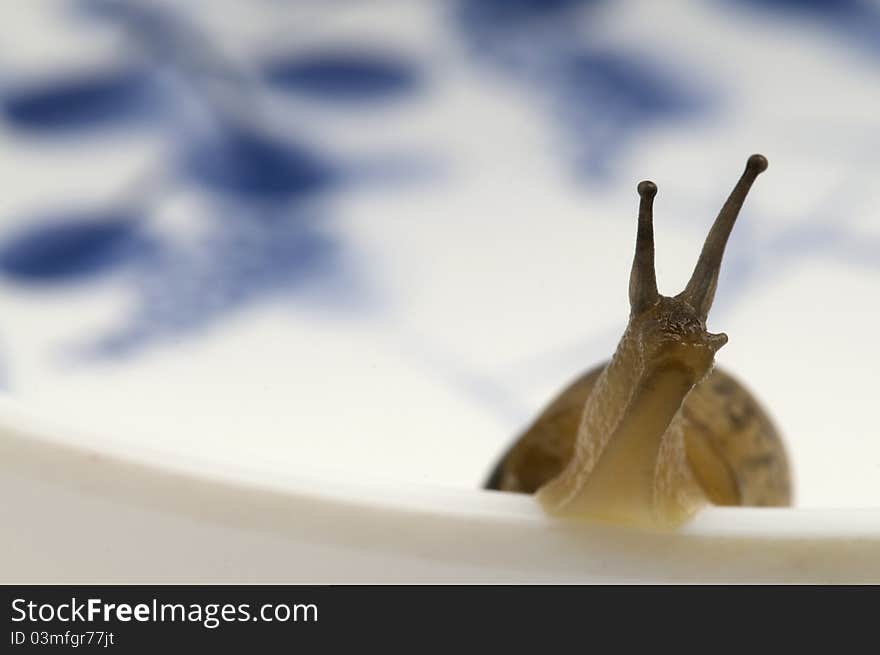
(656, 433)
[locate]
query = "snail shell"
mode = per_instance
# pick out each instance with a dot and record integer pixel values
(732, 446)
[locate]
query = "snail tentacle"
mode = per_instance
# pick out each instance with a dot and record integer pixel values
(700, 290)
(643, 279)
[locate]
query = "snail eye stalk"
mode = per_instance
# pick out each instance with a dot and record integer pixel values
(643, 280)
(700, 290)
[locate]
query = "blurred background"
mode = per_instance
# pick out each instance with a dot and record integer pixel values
(370, 240)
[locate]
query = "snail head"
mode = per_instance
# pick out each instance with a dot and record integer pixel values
(672, 330)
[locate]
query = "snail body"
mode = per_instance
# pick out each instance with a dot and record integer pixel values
(655, 433)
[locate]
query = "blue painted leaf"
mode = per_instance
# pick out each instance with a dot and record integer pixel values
(86, 101)
(343, 76)
(486, 11)
(67, 247)
(818, 7)
(186, 289)
(624, 87)
(857, 21)
(243, 161)
(607, 97)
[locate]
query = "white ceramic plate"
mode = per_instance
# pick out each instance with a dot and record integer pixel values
(80, 511)
(284, 278)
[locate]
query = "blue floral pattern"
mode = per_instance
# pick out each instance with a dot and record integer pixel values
(437, 199)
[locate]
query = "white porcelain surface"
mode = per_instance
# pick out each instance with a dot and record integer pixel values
(310, 381)
(79, 512)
